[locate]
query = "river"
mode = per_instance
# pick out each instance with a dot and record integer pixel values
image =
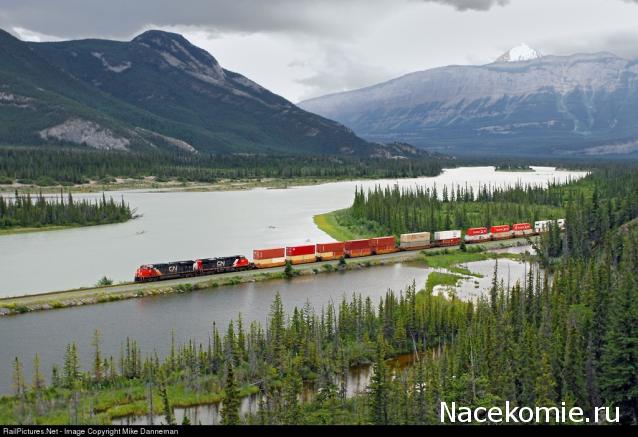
(151, 320)
(186, 225)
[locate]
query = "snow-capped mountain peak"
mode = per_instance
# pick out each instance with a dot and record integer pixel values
(521, 52)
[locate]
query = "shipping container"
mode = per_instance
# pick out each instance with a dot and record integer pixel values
(380, 250)
(381, 245)
(331, 247)
(447, 235)
(308, 249)
(383, 241)
(356, 248)
(415, 237)
(269, 262)
(448, 242)
(358, 244)
(476, 231)
(522, 229)
(499, 229)
(354, 253)
(327, 256)
(278, 252)
(329, 251)
(521, 226)
(500, 232)
(474, 235)
(302, 259)
(541, 225)
(415, 245)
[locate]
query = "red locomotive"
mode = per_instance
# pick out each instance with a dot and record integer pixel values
(184, 269)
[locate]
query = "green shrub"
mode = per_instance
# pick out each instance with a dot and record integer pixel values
(45, 181)
(104, 281)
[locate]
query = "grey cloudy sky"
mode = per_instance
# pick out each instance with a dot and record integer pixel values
(306, 48)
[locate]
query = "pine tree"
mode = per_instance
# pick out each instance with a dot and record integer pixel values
(18, 379)
(38, 379)
(378, 391)
(231, 403)
(71, 365)
(619, 378)
(97, 357)
(169, 417)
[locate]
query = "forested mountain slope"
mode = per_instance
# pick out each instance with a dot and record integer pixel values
(157, 91)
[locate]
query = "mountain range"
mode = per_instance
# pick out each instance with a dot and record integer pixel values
(155, 92)
(523, 104)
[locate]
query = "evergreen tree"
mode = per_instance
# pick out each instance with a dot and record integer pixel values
(38, 382)
(18, 379)
(619, 378)
(97, 357)
(231, 404)
(378, 390)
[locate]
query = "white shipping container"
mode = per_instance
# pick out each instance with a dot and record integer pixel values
(479, 237)
(447, 235)
(417, 236)
(542, 225)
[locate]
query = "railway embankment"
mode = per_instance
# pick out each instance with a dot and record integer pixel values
(447, 258)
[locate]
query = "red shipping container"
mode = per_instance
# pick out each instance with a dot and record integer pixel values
(353, 253)
(449, 242)
(521, 226)
(476, 231)
(278, 252)
(331, 247)
(383, 242)
(358, 244)
(300, 250)
(500, 228)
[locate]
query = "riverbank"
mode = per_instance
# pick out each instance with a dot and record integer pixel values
(436, 257)
(515, 169)
(49, 228)
(152, 183)
(26, 230)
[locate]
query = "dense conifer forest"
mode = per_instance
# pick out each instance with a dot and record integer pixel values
(71, 166)
(63, 210)
(572, 338)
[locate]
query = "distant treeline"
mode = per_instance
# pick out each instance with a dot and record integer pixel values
(513, 167)
(26, 211)
(52, 166)
(516, 163)
(604, 199)
(393, 210)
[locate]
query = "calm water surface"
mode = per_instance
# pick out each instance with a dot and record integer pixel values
(178, 225)
(151, 320)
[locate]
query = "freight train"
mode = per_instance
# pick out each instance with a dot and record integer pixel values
(310, 253)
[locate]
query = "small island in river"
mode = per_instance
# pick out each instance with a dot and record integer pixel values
(23, 213)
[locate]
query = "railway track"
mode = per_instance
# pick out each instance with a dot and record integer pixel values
(132, 289)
